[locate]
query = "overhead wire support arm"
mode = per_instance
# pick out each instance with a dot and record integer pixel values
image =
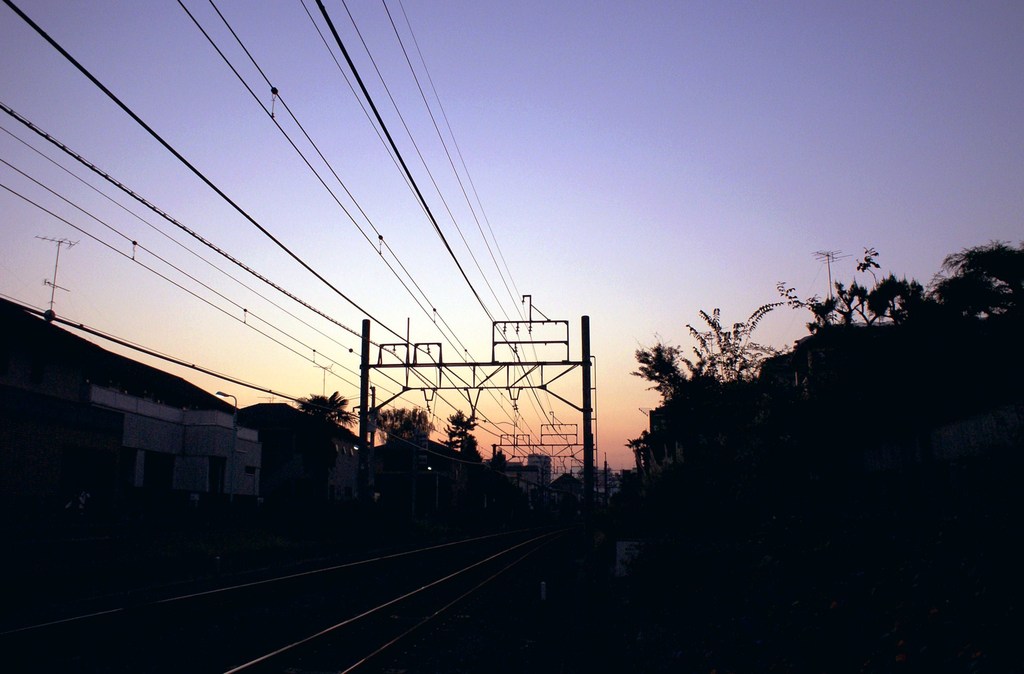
(513, 384)
(557, 335)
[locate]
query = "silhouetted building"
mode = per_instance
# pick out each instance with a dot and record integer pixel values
(84, 431)
(543, 464)
(306, 459)
(566, 490)
(438, 471)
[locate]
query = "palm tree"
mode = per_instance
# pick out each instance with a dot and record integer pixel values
(333, 408)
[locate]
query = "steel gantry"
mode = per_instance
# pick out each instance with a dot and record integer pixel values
(421, 366)
(559, 441)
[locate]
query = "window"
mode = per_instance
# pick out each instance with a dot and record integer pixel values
(218, 466)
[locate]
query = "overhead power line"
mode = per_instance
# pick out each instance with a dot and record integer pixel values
(447, 152)
(199, 174)
(462, 161)
(156, 354)
(398, 154)
(134, 258)
(185, 248)
(433, 316)
(381, 242)
(404, 167)
(113, 181)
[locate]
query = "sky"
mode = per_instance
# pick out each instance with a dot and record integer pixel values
(634, 162)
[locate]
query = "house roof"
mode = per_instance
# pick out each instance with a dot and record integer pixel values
(24, 331)
(566, 480)
(264, 415)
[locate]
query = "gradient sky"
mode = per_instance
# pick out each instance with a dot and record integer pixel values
(636, 161)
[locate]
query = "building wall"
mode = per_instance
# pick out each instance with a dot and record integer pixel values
(342, 479)
(543, 464)
(210, 454)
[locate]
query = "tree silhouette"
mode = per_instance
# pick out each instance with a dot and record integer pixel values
(982, 281)
(460, 438)
(889, 301)
(729, 354)
(660, 365)
(332, 408)
(700, 396)
(404, 423)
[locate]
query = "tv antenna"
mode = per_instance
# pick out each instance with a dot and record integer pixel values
(56, 263)
(326, 369)
(828, 257)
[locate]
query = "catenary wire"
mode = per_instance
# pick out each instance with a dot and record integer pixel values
(458, 151)
(175, 241)
(451, 162)
(416, 147)
(394, 147)
(145, 266)
(199, 174)
(534, 395)
(381, 241)
(95, 169)
(195, 170)
(256, 98)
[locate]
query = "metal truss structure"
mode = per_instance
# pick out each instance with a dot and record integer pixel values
(559, 441)
(421, 366)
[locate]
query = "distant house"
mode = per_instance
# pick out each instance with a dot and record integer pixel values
(305, 459)
(87, 431)
(543, 464)
(525, 476)
(433, 475)
(566, 489)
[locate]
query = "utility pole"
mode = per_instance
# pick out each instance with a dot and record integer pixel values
(365, 477)
(53, 284)
(606, 481)
(588, 434)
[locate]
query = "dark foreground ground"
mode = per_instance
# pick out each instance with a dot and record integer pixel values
(788, 597)
(795, 597)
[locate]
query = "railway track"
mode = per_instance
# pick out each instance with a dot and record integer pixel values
(345, 617)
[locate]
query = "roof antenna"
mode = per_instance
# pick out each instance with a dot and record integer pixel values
(49, 315)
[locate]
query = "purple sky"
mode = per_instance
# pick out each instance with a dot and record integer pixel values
(636, 162)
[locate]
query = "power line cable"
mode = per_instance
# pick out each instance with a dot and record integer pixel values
(398, 154)
(199, 174)
(444, 145)
(381, 241)
(390, 152)
(156, 354)
(416, 147)
(134, 258)
(437, 98)
(177, 243)
(393, 147)
(458, 151)
(535, 397)
(95, 169)
(216, 189)
(309, 139)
